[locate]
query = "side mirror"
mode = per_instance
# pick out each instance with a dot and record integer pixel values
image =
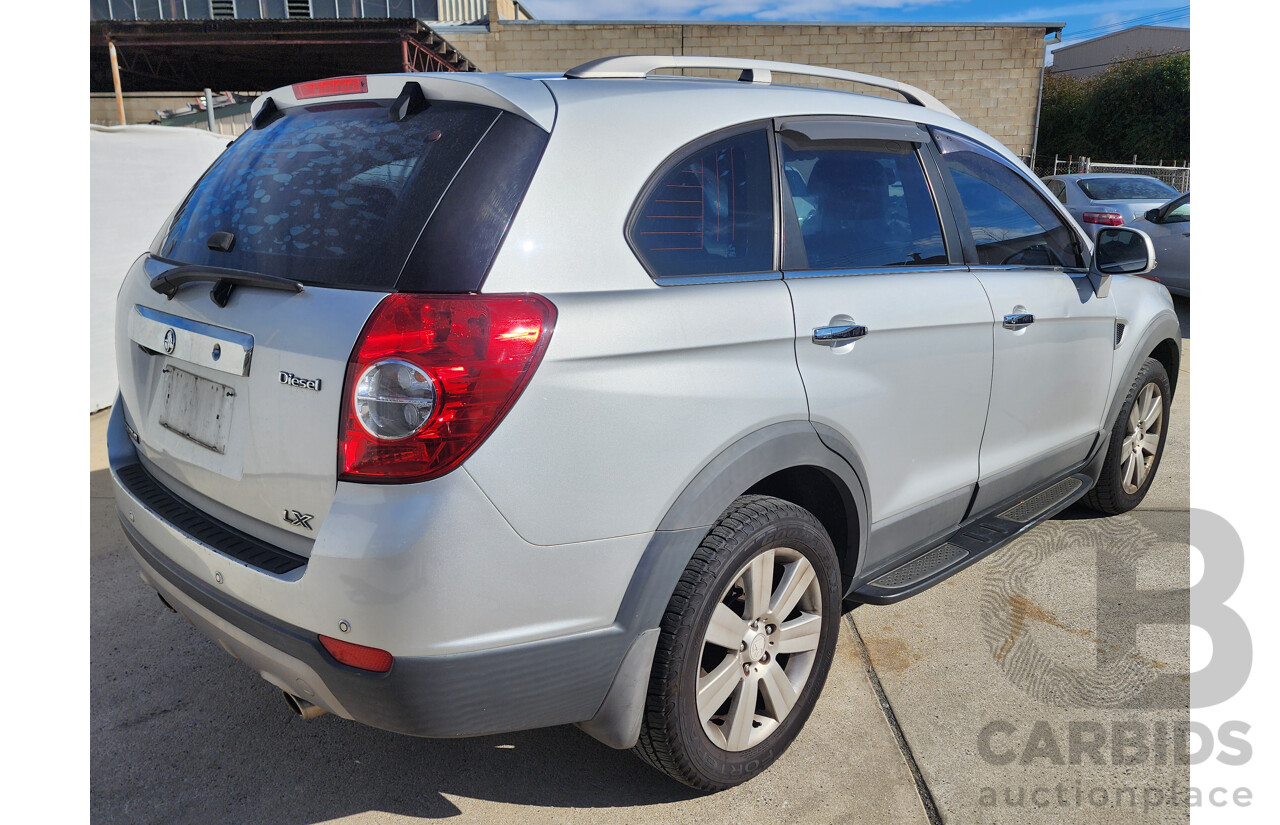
(1119, 250)
(1153, 215)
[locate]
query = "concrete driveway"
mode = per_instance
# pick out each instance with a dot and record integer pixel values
(1032, 670)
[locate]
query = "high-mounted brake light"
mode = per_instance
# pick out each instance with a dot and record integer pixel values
(1104, 218)
(430, 379)
(354, 655)
(354, 85)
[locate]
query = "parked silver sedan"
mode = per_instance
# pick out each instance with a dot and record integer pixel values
(1170, 229)
(1096, 201)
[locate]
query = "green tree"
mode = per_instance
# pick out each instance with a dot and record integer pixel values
(1062, 116)
(1140, 106)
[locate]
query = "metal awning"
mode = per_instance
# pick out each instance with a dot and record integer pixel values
(252, 55)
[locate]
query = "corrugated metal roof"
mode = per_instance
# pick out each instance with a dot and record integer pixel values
(464, 11)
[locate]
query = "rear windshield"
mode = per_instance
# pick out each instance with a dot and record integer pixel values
(1127, 189)
(333, 195)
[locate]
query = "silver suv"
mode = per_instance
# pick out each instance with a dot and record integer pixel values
(456, 404)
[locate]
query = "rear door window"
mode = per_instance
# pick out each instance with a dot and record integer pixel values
(710, 212)
(861, 203)
(334, 194)
(1010, 222)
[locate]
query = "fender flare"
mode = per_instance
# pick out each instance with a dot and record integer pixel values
(736, 469)
(1163, 327)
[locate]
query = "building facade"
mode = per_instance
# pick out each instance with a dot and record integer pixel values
(1092, 57)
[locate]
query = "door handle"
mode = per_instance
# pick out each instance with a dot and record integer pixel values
(835, 336)
(1019, 320)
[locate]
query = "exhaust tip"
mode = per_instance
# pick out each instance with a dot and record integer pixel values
(301, 707)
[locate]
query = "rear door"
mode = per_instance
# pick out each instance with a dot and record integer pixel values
(893, 334)
(234, 398)
(1053, 337)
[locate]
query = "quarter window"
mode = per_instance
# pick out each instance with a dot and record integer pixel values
(1012, 225)
(710, 213)
(861, 203)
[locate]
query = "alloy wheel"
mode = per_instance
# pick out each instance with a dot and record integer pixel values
(1142, 438)
(759, 648)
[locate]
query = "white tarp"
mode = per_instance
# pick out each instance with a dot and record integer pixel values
(137, 175)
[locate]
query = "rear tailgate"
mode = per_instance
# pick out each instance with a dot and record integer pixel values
(235, 404)
(252, 444)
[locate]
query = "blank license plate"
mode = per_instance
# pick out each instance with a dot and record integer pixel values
(196, 408)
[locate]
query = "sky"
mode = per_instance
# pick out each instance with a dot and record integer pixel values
(1083, 19)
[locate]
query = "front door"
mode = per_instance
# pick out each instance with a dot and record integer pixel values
(1053, 337)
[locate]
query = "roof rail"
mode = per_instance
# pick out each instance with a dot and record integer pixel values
(753, 71)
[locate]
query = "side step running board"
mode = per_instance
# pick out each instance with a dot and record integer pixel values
(970, 544)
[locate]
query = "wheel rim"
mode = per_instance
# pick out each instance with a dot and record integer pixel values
(1142, 438)
(759, 648)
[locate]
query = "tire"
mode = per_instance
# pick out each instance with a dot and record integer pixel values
(1127, 473)
(778, 664)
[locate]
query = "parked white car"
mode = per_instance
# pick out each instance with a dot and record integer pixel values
(463, 403)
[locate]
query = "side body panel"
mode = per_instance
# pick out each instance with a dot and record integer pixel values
(637, 391)
(1049, 379)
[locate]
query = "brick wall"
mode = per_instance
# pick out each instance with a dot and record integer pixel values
(990, 76)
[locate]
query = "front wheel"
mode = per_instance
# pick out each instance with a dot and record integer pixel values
(745, 646)
(1137, 443)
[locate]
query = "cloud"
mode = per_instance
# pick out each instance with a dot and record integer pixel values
(728, 10)
(1058, 12)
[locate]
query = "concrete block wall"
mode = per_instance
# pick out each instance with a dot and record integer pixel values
(988, 75)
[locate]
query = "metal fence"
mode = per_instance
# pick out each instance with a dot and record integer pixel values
(1175, 173)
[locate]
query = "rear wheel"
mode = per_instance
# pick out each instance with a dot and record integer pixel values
(745, 646)
(1137, 443)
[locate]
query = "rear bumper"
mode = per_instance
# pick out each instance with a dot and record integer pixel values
(550, 682)
(472, 656)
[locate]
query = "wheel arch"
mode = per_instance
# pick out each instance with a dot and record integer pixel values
(1169, 354)
(789, 460)
(1160, 340)
(793, 460)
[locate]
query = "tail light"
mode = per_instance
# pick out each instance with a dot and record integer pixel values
(354, 655)
(1104, 218)
(430, 379)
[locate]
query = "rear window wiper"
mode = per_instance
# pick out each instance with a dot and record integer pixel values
(170, 281)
